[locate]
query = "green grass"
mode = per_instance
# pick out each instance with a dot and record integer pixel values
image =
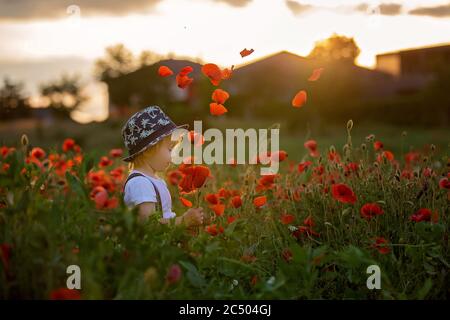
(45, 216)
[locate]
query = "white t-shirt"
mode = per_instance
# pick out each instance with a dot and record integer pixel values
(140, 189)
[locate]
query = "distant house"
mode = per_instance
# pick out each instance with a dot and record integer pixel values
(144, 87)
(413, 68)
(271, 79)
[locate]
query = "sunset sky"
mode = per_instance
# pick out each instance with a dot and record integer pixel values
(50, 31)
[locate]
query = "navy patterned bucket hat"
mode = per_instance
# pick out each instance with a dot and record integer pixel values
(146, 128)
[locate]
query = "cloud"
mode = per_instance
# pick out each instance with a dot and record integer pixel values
(390, 9)
(48, 9)
(236, 3)
(387, 9)
(438, 11)
(298, 8)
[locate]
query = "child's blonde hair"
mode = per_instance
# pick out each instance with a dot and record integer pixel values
(148, 153)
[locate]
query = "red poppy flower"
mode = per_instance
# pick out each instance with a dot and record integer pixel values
(196, 138)
(5, 151)
(68, 144)
(334, 156)
(65, 294)
(381, 244)
(370, 210)
(287, 255)
(224, 193)
(5, 254)
(287, 218)
(319, 170)
(351, 167)
(343, 193)
(218, 209)
(236, 201)
(37, 153)
(412, 157)
(444, 183)
(254, 280)
(193, 178)
(231, 219)
(302, 166)
(385, 154)
(304, 230)
(212, 198)
(266, 181)
(214, 230)
(104, 162)
(100, 196)
(173, 274)
(309, 222)
(407, 174)
(378, 145)
(422, 214)
(278, 156)
(174, 177)
(115, 153)
(117, 173)
(260, 201)
(311, 145)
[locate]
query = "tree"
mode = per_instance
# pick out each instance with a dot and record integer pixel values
(147, 58)
(117, 62)
(64, 95)
(335, 48)
(13, 103)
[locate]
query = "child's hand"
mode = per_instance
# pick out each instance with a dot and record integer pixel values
(193, 217)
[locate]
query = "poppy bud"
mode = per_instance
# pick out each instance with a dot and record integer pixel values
(370, 138)
(404, 133)
(151, 276)
(349, 125)
(363, 147)
(433, 147)
(24, 140)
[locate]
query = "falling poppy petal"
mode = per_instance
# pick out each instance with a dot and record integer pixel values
(299, 99)
(213, 72)
(165, 71)
(183, 81)
(186, 202)
(220, 96)
(246, 52)
(216, 109)
(315, 74)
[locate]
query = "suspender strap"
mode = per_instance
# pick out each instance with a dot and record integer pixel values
(137, 174)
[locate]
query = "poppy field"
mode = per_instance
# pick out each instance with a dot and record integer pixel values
(308, 232)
